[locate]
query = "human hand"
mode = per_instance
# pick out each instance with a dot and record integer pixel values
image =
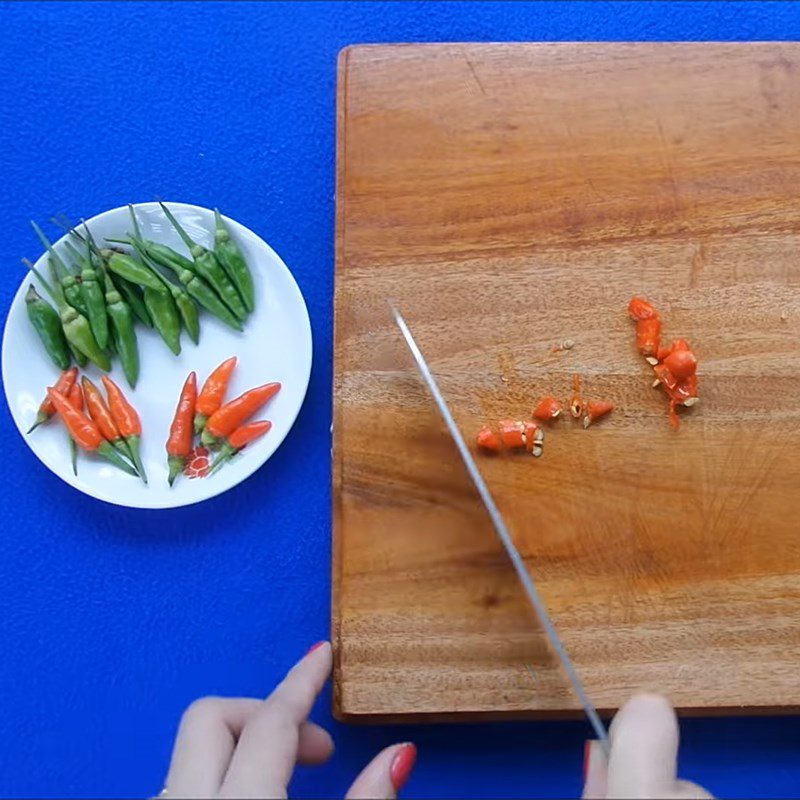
(245, 747)
(644, 755)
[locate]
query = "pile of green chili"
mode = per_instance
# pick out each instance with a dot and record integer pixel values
(101, 290)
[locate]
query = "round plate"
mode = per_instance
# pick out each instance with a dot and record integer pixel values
(275, 346)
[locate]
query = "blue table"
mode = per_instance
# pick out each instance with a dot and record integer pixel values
(112, 621)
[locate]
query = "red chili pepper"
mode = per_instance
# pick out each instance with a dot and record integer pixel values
(512, 434)
(226, 419)
(675, 367)
(213, 393)
(548, 409)
(576, 403)
(487, 439)
(75, 399)
(648, 326)
(595, 409)
(519, 435)
(99, 411)
(662, 353)
(101, 415)
(239, 439)
(127, 420)
(179, 444)
(681, 363)
(678, 376)
(648, 336)
(639, 308)
(80, 427)
(85, 432)
(124, 414)
(46, 408)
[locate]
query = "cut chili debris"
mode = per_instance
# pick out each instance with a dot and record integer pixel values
(111, 426)
(596, 409)
(548, 409)
(519, 435)
(675, 367)
(513, 435)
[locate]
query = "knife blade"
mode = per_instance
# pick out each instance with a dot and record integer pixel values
(505, 537)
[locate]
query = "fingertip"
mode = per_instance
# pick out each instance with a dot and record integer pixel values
(644, 748)
(386, 774)
(646, 708)
(318, 646)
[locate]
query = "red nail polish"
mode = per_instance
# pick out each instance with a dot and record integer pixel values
(402, 765)
(315, 647)
(587, 753)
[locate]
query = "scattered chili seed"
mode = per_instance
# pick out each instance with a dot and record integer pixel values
(576, 403)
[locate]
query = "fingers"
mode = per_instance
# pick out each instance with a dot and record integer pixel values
(644, 749)
(314, 745)
(686, 790)
(385, 775)
(264, 759)
(595, 772)
(204, 745)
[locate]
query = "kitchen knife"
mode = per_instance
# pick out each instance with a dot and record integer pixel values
(505, 537)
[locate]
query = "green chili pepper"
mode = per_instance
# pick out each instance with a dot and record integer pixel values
(207, 297)
(76, 327)
(162, 309)
(195, 286)
(47, 323)
(185, 305)
(132, 270)
(186, 308)
(188, 311)
(80, 358)
(232, 260)
(132, 295)
(94, 300)
(207, 266)
(163, 256)
(61, 274)
(167, 257)
(123, 331)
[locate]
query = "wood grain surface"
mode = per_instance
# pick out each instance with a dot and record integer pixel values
(507, 197)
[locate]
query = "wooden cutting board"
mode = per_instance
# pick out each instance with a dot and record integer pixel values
(507, 197)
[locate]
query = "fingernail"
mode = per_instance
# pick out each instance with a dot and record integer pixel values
(315, 647)
(587, 754)
(402, 765)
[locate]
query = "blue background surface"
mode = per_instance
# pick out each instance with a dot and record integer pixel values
(112, 621)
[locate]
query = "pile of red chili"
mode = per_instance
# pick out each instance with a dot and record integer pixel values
(529, 436)
(675, 367)
(111, 428)
(221, 426)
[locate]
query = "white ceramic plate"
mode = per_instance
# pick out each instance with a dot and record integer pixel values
(275, 346)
